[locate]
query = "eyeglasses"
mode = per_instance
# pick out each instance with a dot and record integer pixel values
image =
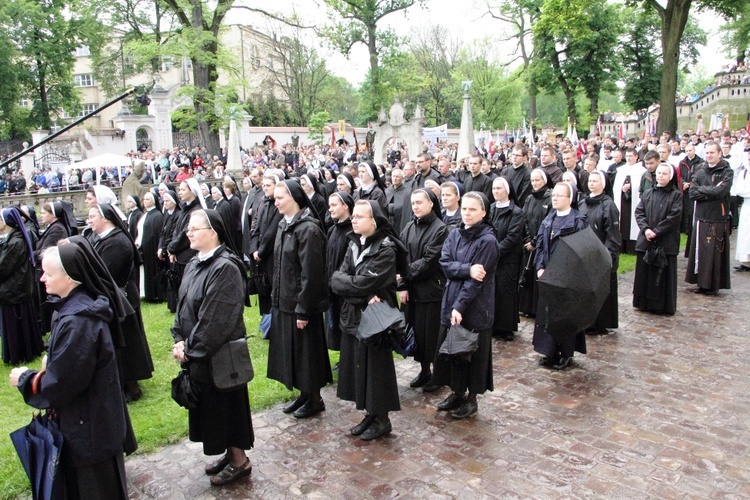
(194, 229)
(357, 217)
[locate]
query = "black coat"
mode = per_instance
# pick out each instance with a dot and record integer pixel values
(480, 183)
(508, 223)
(375, 193)
(424, 278)
(81, 383)
(367, 271)
(321, 208)
(133, 217)
(16, 272)
(537, 207)
(399, 209)
(49, 238)
(299, 284)
(546, 242)
(248, 203)
(520, 181)
(660, 210)
(475, 300)
(167, 232)
(209, 310)
(604, 218)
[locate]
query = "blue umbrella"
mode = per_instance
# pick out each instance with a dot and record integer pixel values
(38, 446)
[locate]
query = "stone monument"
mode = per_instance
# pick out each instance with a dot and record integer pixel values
(466, 133)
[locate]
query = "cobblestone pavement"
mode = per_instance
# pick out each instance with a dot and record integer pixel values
(659, 409)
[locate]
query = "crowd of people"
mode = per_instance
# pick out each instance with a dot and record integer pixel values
(323, 239)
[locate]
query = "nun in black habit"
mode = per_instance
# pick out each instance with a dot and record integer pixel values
(367, 375)
(171, 211)
(538, 204)
(117, 249)
(135, 212)
(604, 218)
(320, 207)
(80, 378)
(148, 231)
(422, 283)
(372, 186)
(297, 352)
(340, 207)
(508, 220)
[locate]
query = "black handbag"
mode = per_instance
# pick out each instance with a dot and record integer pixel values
(231, 366)
(184, 392)
(262, 283)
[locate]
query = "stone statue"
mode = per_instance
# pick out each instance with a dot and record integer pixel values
(132, 184)
(381, 116)
(396, 114)
(418, 113)
(466, 85)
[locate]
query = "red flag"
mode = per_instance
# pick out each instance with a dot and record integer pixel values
(333, 138)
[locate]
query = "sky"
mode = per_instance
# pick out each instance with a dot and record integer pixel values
(466, 22)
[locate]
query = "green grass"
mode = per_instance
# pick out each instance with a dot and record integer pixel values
(157, 419)
(627, 262)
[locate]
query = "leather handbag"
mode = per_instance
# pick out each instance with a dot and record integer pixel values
(231, 366)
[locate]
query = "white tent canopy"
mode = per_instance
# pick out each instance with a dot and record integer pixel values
(106, 160)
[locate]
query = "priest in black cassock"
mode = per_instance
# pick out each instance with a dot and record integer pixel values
(148, 232)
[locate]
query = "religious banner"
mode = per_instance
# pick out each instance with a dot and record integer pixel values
(342, 128)
(434, 132)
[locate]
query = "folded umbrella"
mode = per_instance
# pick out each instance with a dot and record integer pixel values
(459, 343)
(377, 318)
(38, 446)
(656, 257)
(574, 285)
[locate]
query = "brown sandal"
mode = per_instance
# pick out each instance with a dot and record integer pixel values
(230, 474)
(218, 465)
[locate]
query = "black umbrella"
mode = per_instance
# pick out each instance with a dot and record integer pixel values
(656, 257)
(380, 318)
(459, 343)
(38, 446)
(574, 285)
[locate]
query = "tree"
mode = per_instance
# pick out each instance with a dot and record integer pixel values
(521, 16)
(356, 21)
(674, 18)
(574, 42)
(641, 60)
(436, 55)
(299, 72)
(45, 35)
(737, 34)
(316, 125)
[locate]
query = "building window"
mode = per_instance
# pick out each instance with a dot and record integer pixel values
(24, 103)
(256, 57)
(82, 51)
(87, 110)
(84, 80)
(166, 63)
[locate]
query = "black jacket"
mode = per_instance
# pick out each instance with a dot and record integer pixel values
(16, 273)
(336, 246)
(375, 193)
(660, 210)
(116, 250)
(299, 284)
(480, 183)
(368, 270)
(604, 218)
(263, 233)
(710, 190)
(82, 383)
(475, 300)
(209, 309)
(520, 181)
(424, 239)
(49, 238)
(545, 242)
(508, 223)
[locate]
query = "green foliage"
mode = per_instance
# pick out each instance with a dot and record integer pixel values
(315, 126)
(641, 59)
(45, 34)
(736, 34)
(183, 119)
(340, 98)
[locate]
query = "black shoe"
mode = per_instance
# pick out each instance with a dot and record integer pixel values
(133, 392)
(465, 410)
(451, 402)
(295, 405)
(310, 408)
(363, 425)
(217, 466)
(546, 361)
(741, 269)
(563, 363)
(505, 335)
(376, 429)
(420, 380)
(431, 387)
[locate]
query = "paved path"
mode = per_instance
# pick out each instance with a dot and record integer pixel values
(661, 409)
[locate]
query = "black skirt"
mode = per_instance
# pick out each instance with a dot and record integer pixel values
(103, 480)
(425, 318)
(333, 323)
(528, 294)
(654, 289)
(22, 340)
(367, 376)
(298, 358)
(506, 298)
(474, 376)
(609, 313)
(222, 420)
(546, 344)
(134, 359)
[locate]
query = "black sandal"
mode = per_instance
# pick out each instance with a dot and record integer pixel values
(230, 474)
(218, 465)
